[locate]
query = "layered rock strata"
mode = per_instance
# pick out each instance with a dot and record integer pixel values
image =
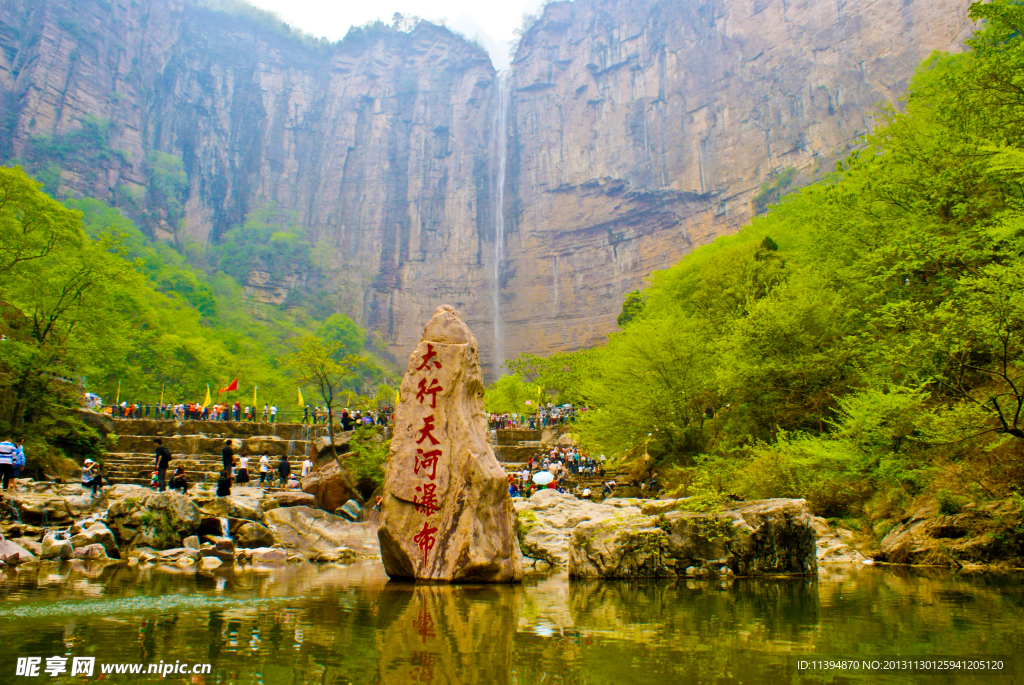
(636, 131)
(447, 515)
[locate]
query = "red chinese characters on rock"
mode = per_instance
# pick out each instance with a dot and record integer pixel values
(426, 460)
(426, 501)
(428, 360)
(431, 390)
(426, 538)
(427, 431)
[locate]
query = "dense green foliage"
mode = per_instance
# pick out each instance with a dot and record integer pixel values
(861, 344)
(88, 298)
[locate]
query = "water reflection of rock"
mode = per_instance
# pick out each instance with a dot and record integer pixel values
(444, 634)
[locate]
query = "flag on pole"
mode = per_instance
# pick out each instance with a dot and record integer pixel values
(208, 401)
(233, 385)
(398, 398)
(118, 398)
(162, 392)
(254, 398)
(301, 403)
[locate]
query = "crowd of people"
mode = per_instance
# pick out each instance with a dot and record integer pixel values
(567, 466)
(233, 471)
(547, 416)
(194, 411)
(12, 461)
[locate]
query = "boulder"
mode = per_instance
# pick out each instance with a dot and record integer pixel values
(976, 534)
(159, 520)
(294, 498)
(546, 521)
(250, 535)
(322, 445)
(331, 486)
(93, 551)
(232, 506)
(97, 534)
(447, 515)
(766, 537)
(34, 547)
(191, 542)
(339, 555)
(834, 546)
(350, 510)
(12, 553)
(56, 547)
(309, 531)
(171, 556)
(265, 555)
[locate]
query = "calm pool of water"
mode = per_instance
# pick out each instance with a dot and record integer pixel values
(334, 626)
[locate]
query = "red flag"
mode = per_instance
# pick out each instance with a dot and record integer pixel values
(233, 385)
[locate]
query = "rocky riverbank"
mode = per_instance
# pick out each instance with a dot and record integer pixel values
(616, 538)
(137, 525)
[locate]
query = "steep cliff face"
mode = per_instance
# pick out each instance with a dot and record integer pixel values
(380, 143)
(636, 130)
(643, 128)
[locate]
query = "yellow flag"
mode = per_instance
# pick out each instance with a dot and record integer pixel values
(301, 403)
(398, 398)
(208, 401)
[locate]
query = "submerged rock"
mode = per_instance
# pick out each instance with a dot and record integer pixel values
(447, 515)
(766, 537)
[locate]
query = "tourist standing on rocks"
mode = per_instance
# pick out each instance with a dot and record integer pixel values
(266, 410)
(91, 476)
(307, 467)
(227, 456)
(264, 468)
(346, 421)
(242, 475)
(283, 469)
(7, 453)
(19, 458)
(273, 413)
(305, 414)
(163, 460)
(224, 483)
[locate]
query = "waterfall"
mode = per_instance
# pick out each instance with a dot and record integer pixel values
(499, 137)
(225, 528)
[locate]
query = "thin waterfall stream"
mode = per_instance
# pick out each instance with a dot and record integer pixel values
(503, 82)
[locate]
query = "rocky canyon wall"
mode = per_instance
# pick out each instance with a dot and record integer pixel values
(636, 130)
(643, 129)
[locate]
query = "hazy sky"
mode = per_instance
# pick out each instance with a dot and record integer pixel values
(492, 21)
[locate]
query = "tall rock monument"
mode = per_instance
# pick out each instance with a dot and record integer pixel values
(447, 514)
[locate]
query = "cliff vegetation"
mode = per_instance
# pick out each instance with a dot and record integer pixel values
(90, 303)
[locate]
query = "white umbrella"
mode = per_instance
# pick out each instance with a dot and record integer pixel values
(543, 477)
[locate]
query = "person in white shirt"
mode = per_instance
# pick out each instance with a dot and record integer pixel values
(307, 467)
(242, 473)
(264, 467)
(273, 413)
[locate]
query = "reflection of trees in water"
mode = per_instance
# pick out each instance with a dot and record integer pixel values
(349, 625)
